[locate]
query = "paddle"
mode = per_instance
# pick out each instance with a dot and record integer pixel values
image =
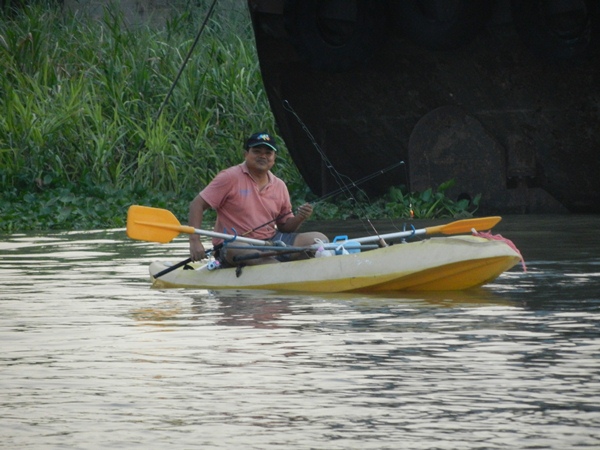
(160, 225)
(457, 227)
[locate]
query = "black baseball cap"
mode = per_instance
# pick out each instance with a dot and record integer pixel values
(262, 138)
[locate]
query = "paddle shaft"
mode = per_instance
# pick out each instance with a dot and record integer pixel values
(457, 227)
(361, 240)
(397, 235)
(191, 230)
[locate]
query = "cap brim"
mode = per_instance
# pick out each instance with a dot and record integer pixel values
(262, 143)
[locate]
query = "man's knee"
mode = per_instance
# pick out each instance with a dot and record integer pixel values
(309, 238)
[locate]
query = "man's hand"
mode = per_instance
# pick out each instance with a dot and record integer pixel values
(197, 251)
(305, 211)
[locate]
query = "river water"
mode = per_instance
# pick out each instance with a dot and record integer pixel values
(93, 358)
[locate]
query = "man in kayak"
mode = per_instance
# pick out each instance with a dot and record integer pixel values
(252, 202)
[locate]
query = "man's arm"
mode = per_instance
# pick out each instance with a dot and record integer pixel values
(293, 223)
(197, 208)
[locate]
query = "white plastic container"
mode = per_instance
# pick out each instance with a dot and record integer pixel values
(346, 246)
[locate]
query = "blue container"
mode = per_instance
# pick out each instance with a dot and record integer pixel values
(345, 244)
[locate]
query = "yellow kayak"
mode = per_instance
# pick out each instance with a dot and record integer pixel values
(444, 263)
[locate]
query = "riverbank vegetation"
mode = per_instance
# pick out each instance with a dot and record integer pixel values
(81, 138)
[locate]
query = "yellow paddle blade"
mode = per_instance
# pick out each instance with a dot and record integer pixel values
(153, 224)
(465, 225)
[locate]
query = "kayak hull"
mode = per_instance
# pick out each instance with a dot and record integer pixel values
(448, 263)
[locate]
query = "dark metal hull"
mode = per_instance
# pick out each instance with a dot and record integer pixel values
(502, 97)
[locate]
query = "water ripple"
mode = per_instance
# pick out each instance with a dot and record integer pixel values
(94, 358)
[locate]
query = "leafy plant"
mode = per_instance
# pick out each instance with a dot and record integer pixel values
(429, 203)
(399, 203)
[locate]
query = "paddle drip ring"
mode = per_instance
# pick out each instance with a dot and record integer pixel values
(227, 241)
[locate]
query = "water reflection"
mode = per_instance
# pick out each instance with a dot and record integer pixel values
(264, 309)
(92, 357)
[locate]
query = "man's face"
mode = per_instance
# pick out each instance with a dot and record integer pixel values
(261, 157)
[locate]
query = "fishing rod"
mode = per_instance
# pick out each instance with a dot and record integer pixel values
(354, 184)
(337, 176)
(361, 181)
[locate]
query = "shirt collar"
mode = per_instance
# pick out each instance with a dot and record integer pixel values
(244, 168)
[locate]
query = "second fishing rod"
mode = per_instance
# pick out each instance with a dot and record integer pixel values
(344, 186)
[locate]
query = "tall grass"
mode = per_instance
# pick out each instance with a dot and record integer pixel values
(79, 99)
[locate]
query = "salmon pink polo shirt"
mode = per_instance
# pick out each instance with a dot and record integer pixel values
(241, 206)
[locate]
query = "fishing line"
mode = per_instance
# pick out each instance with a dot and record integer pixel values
(185, 61)
(332, 194)
(337, 176)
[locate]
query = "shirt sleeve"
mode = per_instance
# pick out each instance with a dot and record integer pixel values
(217, 191)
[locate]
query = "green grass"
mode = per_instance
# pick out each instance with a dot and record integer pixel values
(80, 99)
(80, 139)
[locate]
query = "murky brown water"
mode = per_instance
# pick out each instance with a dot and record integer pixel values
(93, 358)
